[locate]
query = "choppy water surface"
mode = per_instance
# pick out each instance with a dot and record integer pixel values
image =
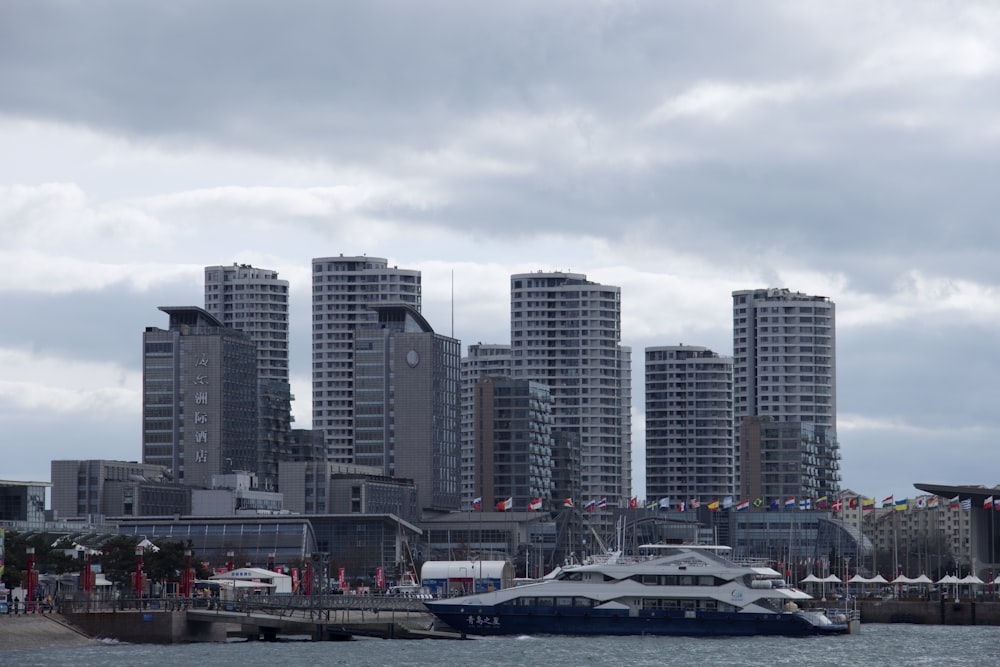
(875, 645)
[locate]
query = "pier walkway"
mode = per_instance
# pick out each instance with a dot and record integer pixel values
(322, 618)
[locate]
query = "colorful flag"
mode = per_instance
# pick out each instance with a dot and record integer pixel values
(888, 502)
(901, 504)
(633, 502)
(680, 506)
(837, 505)
(727, 502)
(665, 503)
(651, 505)
(568, 502)
(996, 505)
(589, 507)
(821, 503)
(966, 503)
(714, 505)
(790, 503)
(602, 503)
(921, 502)
(505, 505)
(988, 503)
(743, 505)
(535, 505)
(953, 503)
(932, 503)
(867, 504)
(694, 503)
(477, 504)
(852, 502)
(758, 502)
(805, 504)
(775, 505)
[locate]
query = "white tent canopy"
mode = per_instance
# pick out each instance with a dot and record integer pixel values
(858, 579)
(255, 577)
(902, 579)
(811, 579)
(879, 579)
(948, 579)
(970, 579)
(148, 546)
(831, 579)
(922, 579)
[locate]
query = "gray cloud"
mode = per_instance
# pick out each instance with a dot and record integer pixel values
(846, 149)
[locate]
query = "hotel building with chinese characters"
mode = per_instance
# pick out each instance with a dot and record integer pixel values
(199, 399)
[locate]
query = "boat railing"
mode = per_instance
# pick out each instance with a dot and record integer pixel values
(752, 562)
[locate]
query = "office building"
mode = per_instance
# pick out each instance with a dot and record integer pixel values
(199, 401)
(512, 443)
(566, 333)
(343, 289)
(481, 360)
(689, 416)
(406, 404)
(255, 301)
(784, 368)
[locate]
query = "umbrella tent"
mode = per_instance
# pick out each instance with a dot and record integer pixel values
(922, 579)
(902, 579)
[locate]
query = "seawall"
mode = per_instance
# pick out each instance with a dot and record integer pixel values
(936, 612)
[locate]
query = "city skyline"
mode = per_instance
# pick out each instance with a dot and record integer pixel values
(841, 150)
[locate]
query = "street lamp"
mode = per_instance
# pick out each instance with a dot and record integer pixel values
(30, 552)
(187, 573)
(138, 573)
(88, 580)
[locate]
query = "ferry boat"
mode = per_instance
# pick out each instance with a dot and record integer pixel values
(670, 589)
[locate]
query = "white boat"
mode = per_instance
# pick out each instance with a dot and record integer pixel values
(670, 589)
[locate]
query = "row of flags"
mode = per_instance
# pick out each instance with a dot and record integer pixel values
(790, 503)
(535, 505)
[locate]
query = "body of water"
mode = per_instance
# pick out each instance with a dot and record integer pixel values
(874, 645)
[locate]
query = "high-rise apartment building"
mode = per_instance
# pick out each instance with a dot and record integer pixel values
(566, 333)
(344, 288)
(199, 400)
(255, 301)
(689, 420)
(481, 360)
(406, 404)
(784, 365)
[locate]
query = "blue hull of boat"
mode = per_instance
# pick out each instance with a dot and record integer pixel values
(485, 620)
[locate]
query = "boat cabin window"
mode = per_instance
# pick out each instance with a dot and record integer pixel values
(670, 604)
(677, 580)
(561, 601)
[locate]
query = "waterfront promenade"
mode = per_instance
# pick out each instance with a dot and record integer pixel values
(73, 629)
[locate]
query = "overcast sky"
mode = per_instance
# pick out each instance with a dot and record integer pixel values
(678, 150)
